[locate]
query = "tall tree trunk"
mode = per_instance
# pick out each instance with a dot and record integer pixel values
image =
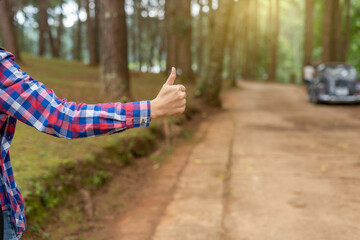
(234, 44)
(211, 5)
(214, 79)
(309, 32)
(8, 30)
(269, 37)
(200, 40)
(114, 56)
(346, 39)
(246, 51)
(151, 36)
(78, 45)
(255, 40)
(178, 20)
(44, 29)
(274, 46)
(133, 33)
(140, 33)
(162, 44)
(60, 31)
(43, 26)
(171, 37)
(270, 19)
(185, 35)
(331, 29)
(92, 32)
(338, 31)
(207, 48)
(97, 31)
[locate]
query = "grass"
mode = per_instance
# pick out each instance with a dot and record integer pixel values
(35, 155)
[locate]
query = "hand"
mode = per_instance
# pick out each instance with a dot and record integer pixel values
(171, 99)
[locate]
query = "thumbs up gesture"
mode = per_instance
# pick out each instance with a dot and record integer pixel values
(171, 99)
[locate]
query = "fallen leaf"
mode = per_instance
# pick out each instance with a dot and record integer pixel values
(221, 175)
(156, 166)
(249, 168)
(343, 145)
(313, 145)
(198, 161)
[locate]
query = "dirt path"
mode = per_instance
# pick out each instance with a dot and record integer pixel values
(294, 167)
(272, 166)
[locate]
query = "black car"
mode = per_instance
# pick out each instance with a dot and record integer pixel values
(334, 83)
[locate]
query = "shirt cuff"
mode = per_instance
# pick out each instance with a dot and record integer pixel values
(137, 114)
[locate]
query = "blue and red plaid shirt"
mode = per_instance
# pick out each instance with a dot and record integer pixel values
(25, 99)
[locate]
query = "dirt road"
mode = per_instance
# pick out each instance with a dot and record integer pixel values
(271, 166)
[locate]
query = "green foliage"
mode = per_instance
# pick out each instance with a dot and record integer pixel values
(353, 56)
(186, 134)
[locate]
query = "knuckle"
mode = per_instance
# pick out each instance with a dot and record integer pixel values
(181, 87)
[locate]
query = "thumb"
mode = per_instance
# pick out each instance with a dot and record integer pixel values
(172, 77)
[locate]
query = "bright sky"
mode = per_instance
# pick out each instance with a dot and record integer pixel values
(70, 12)
(70, 9)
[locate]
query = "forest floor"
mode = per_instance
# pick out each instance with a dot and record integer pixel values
(270, 166)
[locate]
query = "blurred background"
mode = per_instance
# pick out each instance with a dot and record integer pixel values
(295, 31)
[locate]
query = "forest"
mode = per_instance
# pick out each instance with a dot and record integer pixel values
(253, 51)
(265, 40)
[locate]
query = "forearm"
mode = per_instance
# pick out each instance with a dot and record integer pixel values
(71, 120)
(29, 101)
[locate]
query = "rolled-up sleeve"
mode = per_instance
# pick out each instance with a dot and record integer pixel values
(29, 101)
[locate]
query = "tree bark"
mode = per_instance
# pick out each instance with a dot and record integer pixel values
(171, 36)
(162, 42)
(60, 31)
(309, 32)
(234, 44)
(114, 55)
(255, 40)
(140, 33)
(8, 31)
(331, 30)
(133, 33)
(178, 20)
(338, 21)
(44, 28)
(214, 79)
(200, 40)
(346, 39)
(92, 32)
(185, 35)
(78, 45)
(269, 36)
(274, 45)
(246, 51)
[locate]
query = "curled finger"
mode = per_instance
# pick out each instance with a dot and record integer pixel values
(182, 88)
(182, 95)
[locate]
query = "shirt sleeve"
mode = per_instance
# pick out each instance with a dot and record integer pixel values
(29, 101)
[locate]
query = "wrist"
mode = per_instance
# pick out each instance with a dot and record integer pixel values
(154, 110)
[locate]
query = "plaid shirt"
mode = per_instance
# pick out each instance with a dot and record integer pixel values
(25, 99)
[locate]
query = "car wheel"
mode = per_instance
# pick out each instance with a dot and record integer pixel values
(314, 98)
